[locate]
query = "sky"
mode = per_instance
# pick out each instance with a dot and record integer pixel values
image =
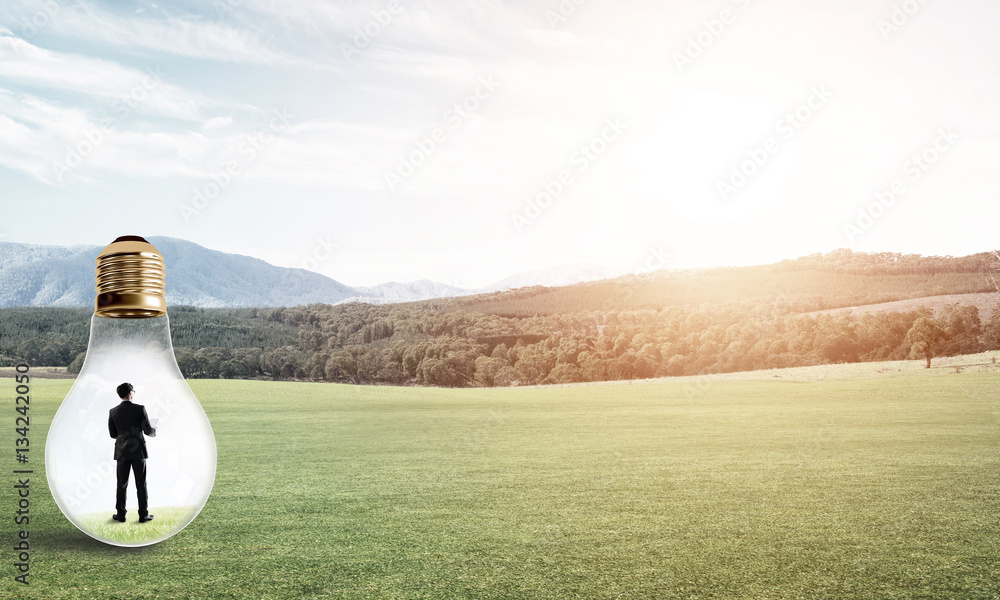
(466, 141)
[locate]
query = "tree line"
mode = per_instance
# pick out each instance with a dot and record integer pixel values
(408, 344)
(459, 349)
(482, 341)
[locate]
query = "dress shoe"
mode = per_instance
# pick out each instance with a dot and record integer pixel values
(146, 518)
(118, 517)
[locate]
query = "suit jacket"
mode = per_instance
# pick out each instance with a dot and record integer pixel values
(126, 423)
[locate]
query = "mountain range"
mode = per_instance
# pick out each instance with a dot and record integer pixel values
(37, 275)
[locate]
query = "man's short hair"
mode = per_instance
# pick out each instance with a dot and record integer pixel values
(124, 389)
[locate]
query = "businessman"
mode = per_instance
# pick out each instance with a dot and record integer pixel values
(127, 423)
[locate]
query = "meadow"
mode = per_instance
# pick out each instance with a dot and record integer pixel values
(841, 482)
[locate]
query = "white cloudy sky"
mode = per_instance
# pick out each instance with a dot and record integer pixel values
(158, 99)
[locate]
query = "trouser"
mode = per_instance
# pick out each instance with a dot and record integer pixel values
(137, 466)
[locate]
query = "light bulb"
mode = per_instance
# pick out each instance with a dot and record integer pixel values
(130, 342)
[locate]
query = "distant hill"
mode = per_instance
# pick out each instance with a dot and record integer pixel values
(554, 277)
(33, 275)
(46, 275)
(63, 276)
(392, 292)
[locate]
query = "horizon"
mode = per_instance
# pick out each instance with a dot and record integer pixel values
(463, 143)
(641, 271)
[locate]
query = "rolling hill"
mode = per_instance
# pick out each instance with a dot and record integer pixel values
(818, 282)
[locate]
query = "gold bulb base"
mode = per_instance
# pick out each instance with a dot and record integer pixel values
(130, 274)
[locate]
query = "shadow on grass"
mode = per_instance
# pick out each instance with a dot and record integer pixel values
(73, 540)
(112, 535)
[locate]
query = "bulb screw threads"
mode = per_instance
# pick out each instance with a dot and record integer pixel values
(130, 280)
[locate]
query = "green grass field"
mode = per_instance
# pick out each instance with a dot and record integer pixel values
(846, 483)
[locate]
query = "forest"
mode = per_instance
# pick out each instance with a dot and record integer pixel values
(661, 324)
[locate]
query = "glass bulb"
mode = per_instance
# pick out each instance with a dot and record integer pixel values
(130, 342)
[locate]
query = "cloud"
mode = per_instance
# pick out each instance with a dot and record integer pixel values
(196, 36)
(403, 37)
(142, 91)
(64, 146)
(218, 123)
(60, 145)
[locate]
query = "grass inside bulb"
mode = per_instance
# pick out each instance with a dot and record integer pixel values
(130, 342)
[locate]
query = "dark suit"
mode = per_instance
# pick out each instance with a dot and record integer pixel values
(127, 423)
